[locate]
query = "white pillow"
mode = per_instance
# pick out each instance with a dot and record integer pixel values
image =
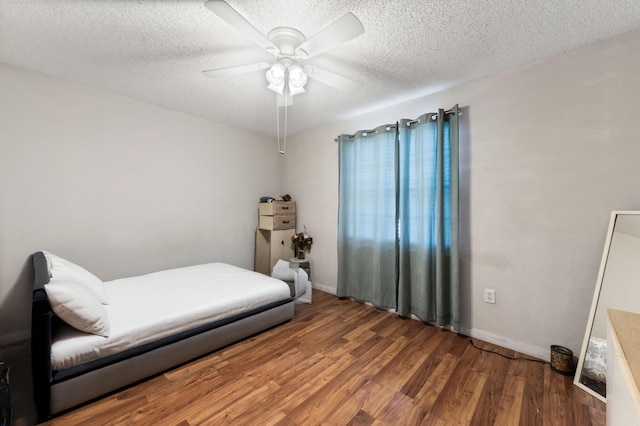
(49, 266)
(78, 307)
(62, 269)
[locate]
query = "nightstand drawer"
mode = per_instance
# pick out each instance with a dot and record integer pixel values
(276, 208)
(277, 222)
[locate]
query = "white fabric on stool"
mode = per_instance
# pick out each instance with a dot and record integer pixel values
(302, 285)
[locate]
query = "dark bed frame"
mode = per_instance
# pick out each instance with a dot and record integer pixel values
(56, 391)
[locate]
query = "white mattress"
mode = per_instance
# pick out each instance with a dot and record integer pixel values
(149, 307)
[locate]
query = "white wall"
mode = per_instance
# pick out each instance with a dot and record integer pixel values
(118, 186)
(546, 153)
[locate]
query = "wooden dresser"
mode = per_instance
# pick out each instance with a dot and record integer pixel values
(623, 368)
(276, 225)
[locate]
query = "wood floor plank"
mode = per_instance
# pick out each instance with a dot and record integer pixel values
(94, 413)
(361, 419)
(242, 406)
(200, 411)
(354, 406)
(340, 362)
(418, 379)
(401, 409)
(438, 379)
(405, 364)
(597, 416)
(533, 397)
(510, 406)
(490, 398)
(301, 390)
(333, 392)
(458, 400)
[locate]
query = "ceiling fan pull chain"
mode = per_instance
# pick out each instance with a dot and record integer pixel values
(280, 150)
(282, 147)
(286, 114)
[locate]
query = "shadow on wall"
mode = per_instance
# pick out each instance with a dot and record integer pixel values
(15, 309)
(464, 195)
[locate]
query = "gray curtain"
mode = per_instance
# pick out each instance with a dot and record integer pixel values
(428, 282)
(398, 217)
(367, 216)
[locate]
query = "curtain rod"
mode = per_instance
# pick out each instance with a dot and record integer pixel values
(435, 114)
(389, 127)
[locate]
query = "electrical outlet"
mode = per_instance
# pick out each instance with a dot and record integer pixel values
(489, 296)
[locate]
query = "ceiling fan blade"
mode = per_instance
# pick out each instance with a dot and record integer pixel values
(233, 18)
(334, 80)
(342, 30)
(223, 72)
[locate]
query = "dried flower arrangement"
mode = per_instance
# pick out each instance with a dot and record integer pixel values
(302, 241)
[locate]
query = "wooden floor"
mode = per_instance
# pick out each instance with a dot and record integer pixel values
(342, 363)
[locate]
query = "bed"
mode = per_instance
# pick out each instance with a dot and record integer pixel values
(90, 338)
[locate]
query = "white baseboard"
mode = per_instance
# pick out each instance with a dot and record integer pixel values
(326, 289)
(534, 351)
(15, 337)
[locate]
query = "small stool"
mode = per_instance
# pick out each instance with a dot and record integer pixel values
(304, 264)
(296, 278)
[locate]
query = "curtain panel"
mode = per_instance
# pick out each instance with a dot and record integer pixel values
(367, 242)
(398, 217)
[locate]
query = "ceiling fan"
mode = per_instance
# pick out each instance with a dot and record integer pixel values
(287, 75)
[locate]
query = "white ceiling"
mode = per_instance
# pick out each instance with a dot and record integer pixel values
(153, 51)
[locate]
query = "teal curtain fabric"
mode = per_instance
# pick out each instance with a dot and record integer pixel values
(367, 216)
(398, 217)
(428, 282)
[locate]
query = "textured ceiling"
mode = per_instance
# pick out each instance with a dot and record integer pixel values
(153, 51)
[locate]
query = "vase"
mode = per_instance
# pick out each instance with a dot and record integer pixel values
(300, 254)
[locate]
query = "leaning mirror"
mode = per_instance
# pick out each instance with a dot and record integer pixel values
(619, 270)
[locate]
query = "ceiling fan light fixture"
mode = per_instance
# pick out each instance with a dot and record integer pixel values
(295, 90)
(277, 88)
(275, 77)
(297, 79)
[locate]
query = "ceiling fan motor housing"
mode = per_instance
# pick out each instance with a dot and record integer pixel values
(287, 40)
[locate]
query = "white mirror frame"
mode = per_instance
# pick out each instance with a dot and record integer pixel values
(594, 302)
